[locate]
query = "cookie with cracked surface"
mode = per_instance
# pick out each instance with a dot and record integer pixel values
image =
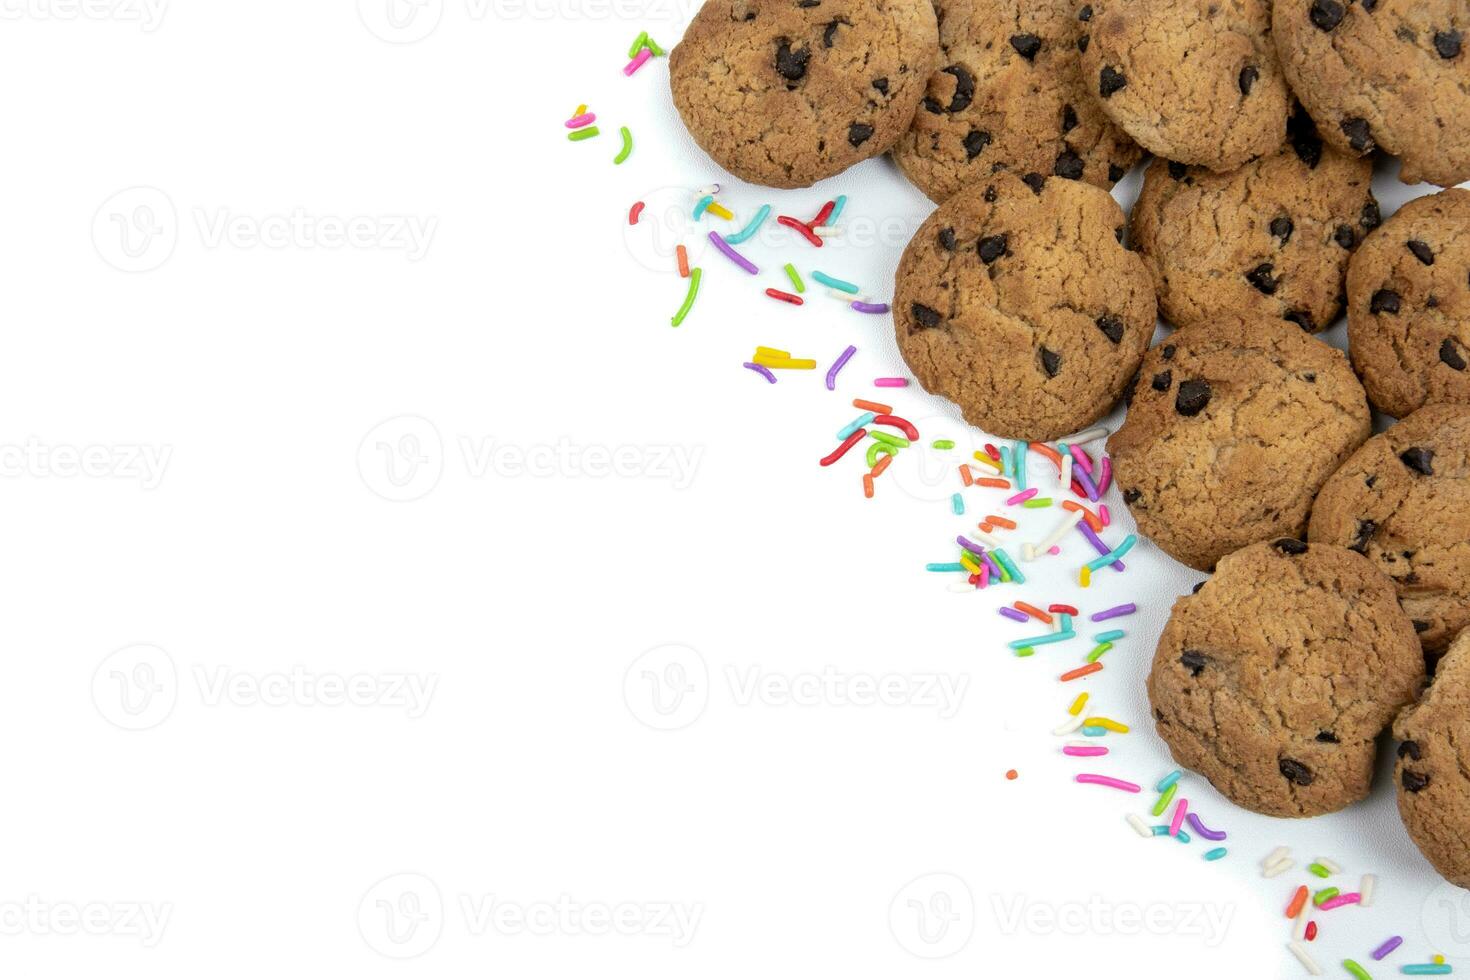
(1385, 74)
(1271, 239)
(787, 92)
(1009, 95)
(1430, 773)
(1234, 427)
(1409, 305)
(1017, 301)
(1276, 678)
(1403, 500)
(1194, 81)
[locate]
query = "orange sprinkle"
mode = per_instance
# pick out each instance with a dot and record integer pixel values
(882, 465)
(1011, 774)
(1031, 610)
(868, 485)
(966, 475)
(987, 528)
(1001, 521)
(1072, 675)
(992, 481)
(1297, 901)
(683, 262)
(876, 407)
(1049, 453)
(1093, 521)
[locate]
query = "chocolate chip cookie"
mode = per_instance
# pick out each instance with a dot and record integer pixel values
(1403, 500)
(1276, 678)
(1384, 74)
(1433, 788)
(1409, 305)
(1194, 81)
(1271, 239)
(1017, 301)
(787, 92)
(1234, 427)
(1009, 95)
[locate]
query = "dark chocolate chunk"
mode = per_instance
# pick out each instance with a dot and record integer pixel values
(1131, 496)
(1177, 170)
(1026, 45)
(1420, 626)
(976, 140)
(1069, 119)
(1421, 251)
(1193, 660)
(830, 33)
(1110, 80)
(1450, 354)
(1290, 546)
(1281, 228)
(926, 316)
(1068, 165)
(992, 247)
(1301, 132)
(1085, 14)
(1162, 381)
(1296, 772)
(1384, 301)
(1082, 43)
(964, 87)
(791, 64)
(1411, 749)
(1261, 278)
(1167, 352)
(1051, 362)
(946, 239)
(1111, 326)
(1035, 182)
(1363, 535)
(1116, 173)
(1345, 236)
(1248, 76)
(1301, 318)
(1418, 459)
(1359, 135)
(1192, 398)
(881, 84)
(1371, 217)
(1329, 737)
(1447, 43)
(1326, 14)
(858, 133)
(1414, 781)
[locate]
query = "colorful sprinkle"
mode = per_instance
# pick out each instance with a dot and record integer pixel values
(733, 255)
(1072, 675)
(1356, 970)
(800, 228)
(891, 382)
(1124, 610)
(871, 308)
(1202, 830)
(842, 449)
(583, 134)
(750, 228)
(761, 370)
(834, 282)
(957, 504)
(634, 212)
(638, 62)
(785, 297)
(1096, 780)
(838, 365)
(1215, 854)
(627, 145)
(694, 276)
(795, 278)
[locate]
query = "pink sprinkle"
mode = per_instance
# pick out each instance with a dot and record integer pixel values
(1095, 779)
(1103, 516)
(1087, 750)
(585, 119)
(1180, 809)
(984, 576)
(1054, 550)
(1083, 462)
(1023, 496)
(637, 62)
(1338, 901)
(891, 382)
(1107, 475)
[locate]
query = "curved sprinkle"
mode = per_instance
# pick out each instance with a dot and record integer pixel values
(627, 145)
(751, 226)
(634, 212)
(841, 450)
(733, 255)
(834, 282)
(694, 275)
(800, 228)
(1202, 830)
(870, 307)
(1109, 781)
(1356, 970)
(838, 365)
(764, 372)
(903, 425)
(702, 205)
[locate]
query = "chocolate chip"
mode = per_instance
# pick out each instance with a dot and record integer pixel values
(1301, 318)
(1177, 170)
(930, 105)
(1194, 590)
(1248, 76)
(1370, 480)
(791, 64)
(1282, 227)
(1419, 459)
(1370, 5)
(1414, 781)
(1085, 14)
(1327, 737)
(1193, 660)
(1450, 355)
(1082, 43)
(881, 84)
(1118, 234)
(1068, 165)
(1302, 134)
(1310, 377)
(1371, 217)
(1421, 251)
(1384, 301)
(1111, 326)
(1432, 301)
(1296, 772)
(1326, 14)
(1129, 390)
(990, 194)
(926, 316)
(1260, 277)
(1130, 497)
(1358, 134)
(946, 239)
(1035, 182)
(1051, 362)
(1110, 80)
(830, 33)
(806, 4)
(1192, 398)
(1290, 546)
(1026, 45)
(992, 247)
(976, 140)
(1420, 626)
(1345, 236)
(1116, 173)
(858, 133)
(964, 87)
(1447, 43)
(1168, 352)
(1069, 119)
(1411, 749)
(1162, 381)
(1364, 534)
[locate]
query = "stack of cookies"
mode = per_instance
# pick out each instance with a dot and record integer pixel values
(1029, 299)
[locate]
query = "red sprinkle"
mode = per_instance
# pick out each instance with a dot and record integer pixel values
(634, 212)
(903, 424)
(800, 229)
(1311, 930)
(1057, 607)
(841, 450)
(1072, 675)
(785, 297)
(823, 214)
(992, 452)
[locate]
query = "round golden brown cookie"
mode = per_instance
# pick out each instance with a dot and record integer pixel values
(1387, 74)
(1409, 305)
(1194, 81)
(1017, 301)
(1271, 239)
(787, 92)
(1403, 500)
(1433, 788)
(1234, 426)
(1009, 96)
(1276, 678)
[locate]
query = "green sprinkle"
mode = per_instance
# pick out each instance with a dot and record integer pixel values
(1356, 970)
(942, 444)
(956, 502)
(1216, 854)
(1324, 895)
(1098, 651)
(877, 448)
(585, 133)
(795, 277)
(898, 441)
(1109, 636)
(627, 145)
(1318, 870)
(1025, 652)
(638, 43)
(652, 45)
(1036, 503)
(1164, 799)
(694, 275)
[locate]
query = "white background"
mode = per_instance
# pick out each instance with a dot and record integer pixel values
(370, 469)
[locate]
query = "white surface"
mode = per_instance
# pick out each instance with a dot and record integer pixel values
(268, 829)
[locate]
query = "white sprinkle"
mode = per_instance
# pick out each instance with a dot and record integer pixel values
(1305, 958)
(708, 190)
(1299, 924)
(986, 539)
(1365, 889)
(1059, 532)
(1065, 479)
(1096, 432)
(827, 231)
(1143, 829)
(1028, 553)
(847, 297)
(1285, 864)
(1069, 726)
(1275, 856)
(1330, 865)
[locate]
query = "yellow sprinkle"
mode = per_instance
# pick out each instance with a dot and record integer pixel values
(1076, 708)
(970, 566)
(580, 109)
(1084, 577)
(791, 363)
(720, 211)
(771, 352)
(988, 461)
(1438, 958)
(1108, 723)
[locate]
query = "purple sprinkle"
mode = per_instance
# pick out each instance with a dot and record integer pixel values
(1098, 542)
(1201, 829)
(1127, 609)
(1087, 485)
(838, 366)
(994, 568)
(1389, 945)
(1107, 476)
(968, 545)
(870, 307)
(1015, 614)
(733, 255)
(761, 370)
